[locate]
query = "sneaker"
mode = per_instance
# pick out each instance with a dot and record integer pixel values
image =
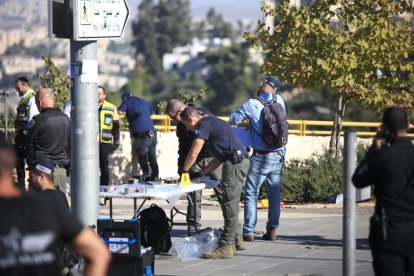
(239, 243)
(270, 235)
(248, 238)
(224, 251)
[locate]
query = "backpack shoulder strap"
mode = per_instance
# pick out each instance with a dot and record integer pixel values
(262, 101)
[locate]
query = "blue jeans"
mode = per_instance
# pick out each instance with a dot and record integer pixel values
(263, 167)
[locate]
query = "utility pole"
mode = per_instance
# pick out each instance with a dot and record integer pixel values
(84, 126)
(84, 22)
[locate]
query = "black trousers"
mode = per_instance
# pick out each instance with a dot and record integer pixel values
(395, 255)
(104, 152)
(146, 150)
(20, 167)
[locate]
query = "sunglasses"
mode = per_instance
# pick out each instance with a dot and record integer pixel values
(176, 114)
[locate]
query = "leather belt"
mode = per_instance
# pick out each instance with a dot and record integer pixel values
(143, 134)
(265, 151)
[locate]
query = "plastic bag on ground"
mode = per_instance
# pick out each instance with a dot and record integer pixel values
(193, 247)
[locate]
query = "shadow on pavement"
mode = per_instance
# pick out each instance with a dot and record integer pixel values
(319, 241)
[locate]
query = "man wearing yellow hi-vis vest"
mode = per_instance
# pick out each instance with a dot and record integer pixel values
(108, 133)
(26, 110)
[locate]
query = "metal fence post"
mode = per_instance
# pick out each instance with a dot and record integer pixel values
(349, 211)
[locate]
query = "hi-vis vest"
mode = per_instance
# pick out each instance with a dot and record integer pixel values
(23, 110)
(106, 117)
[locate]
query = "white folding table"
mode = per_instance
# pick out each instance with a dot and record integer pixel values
(153, 190)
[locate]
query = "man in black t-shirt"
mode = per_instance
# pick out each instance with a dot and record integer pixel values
(41, 179)
(185, 140)
(389, 166)
(31, 228)
(227, 150)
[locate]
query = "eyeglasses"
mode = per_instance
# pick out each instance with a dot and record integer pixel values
(176, 114)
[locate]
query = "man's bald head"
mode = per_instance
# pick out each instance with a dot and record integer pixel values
(44, 98)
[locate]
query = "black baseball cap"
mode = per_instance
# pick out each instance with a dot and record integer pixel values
(272, 82)
(42, 165)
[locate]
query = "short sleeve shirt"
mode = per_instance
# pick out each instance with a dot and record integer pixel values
(31, 230)
(219, 137)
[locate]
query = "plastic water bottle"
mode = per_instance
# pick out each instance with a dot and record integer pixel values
(148, 271)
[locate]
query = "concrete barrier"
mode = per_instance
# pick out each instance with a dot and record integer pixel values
(123, 165)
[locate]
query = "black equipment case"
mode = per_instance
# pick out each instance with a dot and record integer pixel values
(123, 239)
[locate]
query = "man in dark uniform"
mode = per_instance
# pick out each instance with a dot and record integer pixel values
(108, 133)
(25, 111)
(389, 166)
(49, 136)
(185, 140)
(143, 134)
(228, 151)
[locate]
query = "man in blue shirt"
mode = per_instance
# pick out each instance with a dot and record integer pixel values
(141, 127)
(266, 163)
(227, 150)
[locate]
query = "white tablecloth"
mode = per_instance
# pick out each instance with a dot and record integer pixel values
(156, 190)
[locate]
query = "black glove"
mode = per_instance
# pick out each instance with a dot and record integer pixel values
(115, 146)
(194, 175)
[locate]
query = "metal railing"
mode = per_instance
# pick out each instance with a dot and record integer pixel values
(164, 123)
(299, 127)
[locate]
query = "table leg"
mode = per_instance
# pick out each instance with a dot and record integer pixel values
(135, 208)
(110, 207)
(140, 207)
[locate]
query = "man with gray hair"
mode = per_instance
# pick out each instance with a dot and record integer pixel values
(49, 136)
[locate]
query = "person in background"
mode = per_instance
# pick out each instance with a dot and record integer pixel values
(67, 108)
(266, 163)
(26, 110)
(48, 137)
(227, 150)
(143, 134)
(32, 228)
(108, 133)
(389, 166)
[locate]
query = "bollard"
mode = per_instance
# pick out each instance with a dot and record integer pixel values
(349, 212)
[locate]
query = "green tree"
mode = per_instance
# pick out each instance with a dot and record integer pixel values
(217, 26)
(234, 78)
(145, 41)
(160, 27)
(172, 25)
(56, 79)
(361, 49)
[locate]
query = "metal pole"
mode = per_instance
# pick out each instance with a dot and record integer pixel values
(6, 114)
(84, 124)
(349, 211)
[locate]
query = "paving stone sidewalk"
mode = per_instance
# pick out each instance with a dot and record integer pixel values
(309, 242)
